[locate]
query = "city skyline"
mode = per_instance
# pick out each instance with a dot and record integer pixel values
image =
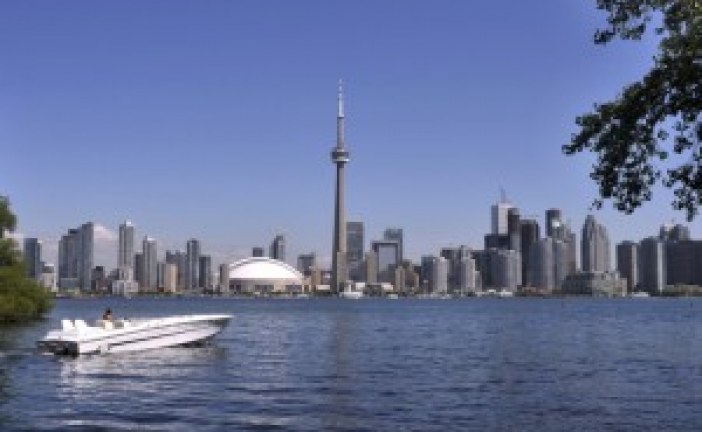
(162, 142)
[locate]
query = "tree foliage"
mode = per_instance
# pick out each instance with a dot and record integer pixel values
(20, 298)
(655, 117)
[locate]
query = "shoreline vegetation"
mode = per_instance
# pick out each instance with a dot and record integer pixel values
(21, 299)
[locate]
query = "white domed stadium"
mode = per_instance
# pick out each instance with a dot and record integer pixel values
(262, 275)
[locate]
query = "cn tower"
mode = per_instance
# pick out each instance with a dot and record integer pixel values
(339, 156)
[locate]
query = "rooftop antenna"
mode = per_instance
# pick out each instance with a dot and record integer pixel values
(503, 195)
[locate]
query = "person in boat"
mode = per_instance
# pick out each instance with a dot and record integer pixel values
(107, 316)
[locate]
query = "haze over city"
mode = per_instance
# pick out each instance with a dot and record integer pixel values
(216, 122)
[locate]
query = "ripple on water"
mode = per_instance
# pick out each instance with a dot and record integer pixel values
(375, 365)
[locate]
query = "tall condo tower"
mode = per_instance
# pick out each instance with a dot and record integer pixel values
(339, 156)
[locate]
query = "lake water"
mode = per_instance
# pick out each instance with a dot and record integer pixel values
(380, 365)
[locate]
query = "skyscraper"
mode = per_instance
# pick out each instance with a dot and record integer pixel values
(440, 276)
(257, 251)
(514, 229)
(150, 274)
(529, 235)
(498, 216)
(125, 256)
(139, 274)
(507, 268)
(371, 267)
(395, 234)
(467, 275)
(224, 278)
(652, 277)
(452, 255)
(339, 156)
(554, 222)
(192, 268)
(595, 246)
(76, 258)
(32, 258)
(548, 264)
(205, 272)
(388, 256)
(628, 264)
(277, 249)
(306, 262)
(355, 243)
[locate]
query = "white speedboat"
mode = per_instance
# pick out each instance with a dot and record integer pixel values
(122, 335)
(351, 294)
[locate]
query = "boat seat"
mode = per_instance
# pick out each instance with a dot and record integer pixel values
(67, 324)
(80, 325)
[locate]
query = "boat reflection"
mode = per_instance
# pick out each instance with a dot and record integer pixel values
(146, 371)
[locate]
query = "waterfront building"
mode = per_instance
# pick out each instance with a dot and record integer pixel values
(48, 277)
(371, 267)
(628, 264)
(277, 249)
(514, 230)
(595, 246)
(355, 243)
(571, 246)
(467, 275)
(305, 263)
(453, 260)
(483, 267)
(559, 229)
(549, 264)
(388, 256)
(192, 268)
(180, 260)
(598, 283)
(396, 235)
(426, 273)
(85, 254)
(125, 254)
(257, 252)
(506, 268)
(399, 280)
(76, 258)
(440, 276)
(205, 272)
(340, 157)
(150, 263)
(32, 258)
(139, 269)
(261, 275)
(224, 278)
(652, 269)
(98, 279)
(170, 277)
(411, 278)
(529, 235)
(683, 262)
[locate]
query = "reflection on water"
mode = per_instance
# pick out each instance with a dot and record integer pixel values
(374, 365)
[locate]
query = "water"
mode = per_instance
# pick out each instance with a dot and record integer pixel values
(478, 364)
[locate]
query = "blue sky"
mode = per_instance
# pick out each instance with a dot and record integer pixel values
(215, 119)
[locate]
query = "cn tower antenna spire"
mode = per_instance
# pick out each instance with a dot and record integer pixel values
(340, 99)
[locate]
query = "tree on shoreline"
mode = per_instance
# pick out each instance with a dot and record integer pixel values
(20, 298)
(633, 135)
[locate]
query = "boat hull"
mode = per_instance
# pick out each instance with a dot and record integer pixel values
(136, 336)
